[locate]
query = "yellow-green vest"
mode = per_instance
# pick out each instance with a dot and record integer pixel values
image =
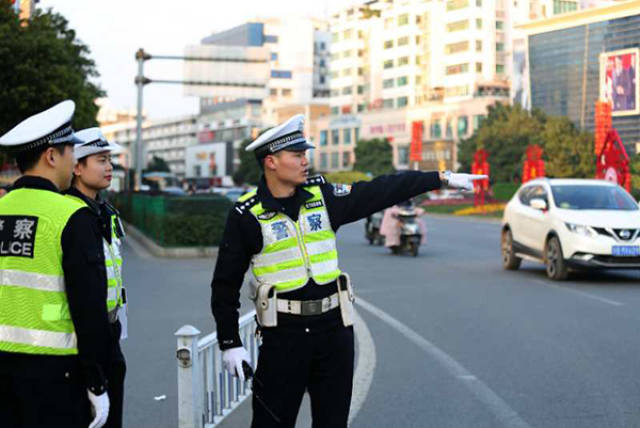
(113, 263)
(34, 311)
(293, 252)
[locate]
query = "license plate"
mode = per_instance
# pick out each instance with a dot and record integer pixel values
(626, 250)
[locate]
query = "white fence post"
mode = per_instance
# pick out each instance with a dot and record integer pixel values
(189, 382)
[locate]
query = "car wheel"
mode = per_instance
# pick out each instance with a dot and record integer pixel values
(555, 264)
(509, 260)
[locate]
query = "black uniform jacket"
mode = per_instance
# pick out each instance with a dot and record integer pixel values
(85, 285)
(242, 239)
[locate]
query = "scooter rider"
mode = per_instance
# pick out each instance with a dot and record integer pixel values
(285, 232)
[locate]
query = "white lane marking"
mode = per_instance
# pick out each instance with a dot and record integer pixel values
(365, 365)
(501, 410)
(580, 293)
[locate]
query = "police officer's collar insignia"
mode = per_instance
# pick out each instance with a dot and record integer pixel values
(341, 189)
(313, 204)
(315, 180)
(267, 215)
(18, 235)
(242, 206)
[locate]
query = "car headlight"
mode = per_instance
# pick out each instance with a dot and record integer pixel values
(580, 229)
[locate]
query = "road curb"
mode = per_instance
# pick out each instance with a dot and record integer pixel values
(168, 252)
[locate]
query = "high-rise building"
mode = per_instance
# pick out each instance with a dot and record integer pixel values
(397, 64)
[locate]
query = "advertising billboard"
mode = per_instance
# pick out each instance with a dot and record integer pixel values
(619, 81)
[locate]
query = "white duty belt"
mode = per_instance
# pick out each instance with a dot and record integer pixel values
(308, 307)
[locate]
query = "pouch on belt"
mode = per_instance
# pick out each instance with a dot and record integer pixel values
(346, 297)
(266, 305)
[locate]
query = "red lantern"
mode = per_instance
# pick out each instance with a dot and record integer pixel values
(534, 165)
(415, 155)
(480, 165)
(613, 162)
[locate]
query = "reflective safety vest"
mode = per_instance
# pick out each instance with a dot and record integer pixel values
(292, 252)
(34, 311)
(113, 263)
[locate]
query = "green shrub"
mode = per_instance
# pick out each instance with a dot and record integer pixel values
(346, 177)
(505, 190)
(176, 221)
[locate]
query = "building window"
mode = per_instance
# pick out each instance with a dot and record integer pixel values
(457, 91)
(388, 44)
(335, 92)
(417, 40)
(346, 34)
(335, 137)
(335, 158)
(286, 92)
(323, 161)
(457, 4)
(387, 83)
(323, 46)
(346, 136)
(360, 53)
(388, 23)
(360, 89)
(478, 67)
(360, 71)
(463, 126)
(560, 6)
(360, 108)
(402, 81)
(418, 60)
(449, 129)
(335, 37)
(335, 111)
(457, 69)
(403, 60)
(323, 138)
(453, 48)
(388, 63)
(403, 19)
(346, 90)
(499, 47)
(500, 25)
(281, 74)
(478, 45)
(270, 39)
(418, 19)
(274, 56)
(479, 23)
(273, 92)
(346, 159)
(346, 72)
(388, 103)
(403, 155)
(478, 3)
(322, 80)
(418, 80)
(435, 129)
(499, 68)
(477, 121)
(402, 41)
(356, 131)
(403, 101)
(458, 26)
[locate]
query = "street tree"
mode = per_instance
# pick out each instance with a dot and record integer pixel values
(157, 164)
(568, 151)
(374, 156)
(249, 171)
(504, 134)
(44, 63)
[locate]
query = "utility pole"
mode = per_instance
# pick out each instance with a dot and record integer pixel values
(141, 57)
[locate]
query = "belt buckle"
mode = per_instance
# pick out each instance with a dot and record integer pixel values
(311, 307)
(326, 304)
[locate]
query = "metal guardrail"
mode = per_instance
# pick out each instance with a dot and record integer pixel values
(206, 392)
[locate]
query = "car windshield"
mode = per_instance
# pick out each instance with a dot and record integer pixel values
(592, 197)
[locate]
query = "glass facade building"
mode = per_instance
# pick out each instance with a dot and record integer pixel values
(565, 71)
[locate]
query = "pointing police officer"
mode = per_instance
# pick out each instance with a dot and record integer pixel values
(54, 329)
(285, 233)
(91, 175)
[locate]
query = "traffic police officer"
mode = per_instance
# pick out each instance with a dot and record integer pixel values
(92, 174)
(54, 330)
(285, 231)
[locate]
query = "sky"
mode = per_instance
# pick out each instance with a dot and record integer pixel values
(115, 29)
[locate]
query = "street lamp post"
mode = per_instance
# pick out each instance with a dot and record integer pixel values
(141, 57)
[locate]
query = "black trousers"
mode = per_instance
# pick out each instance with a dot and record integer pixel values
(292, 361)
(116, 372)
(36, 402)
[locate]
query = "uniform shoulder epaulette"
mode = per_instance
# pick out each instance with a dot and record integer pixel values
(315, 180)
(245, 202)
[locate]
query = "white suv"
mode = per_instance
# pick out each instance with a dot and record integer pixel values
(571, 223)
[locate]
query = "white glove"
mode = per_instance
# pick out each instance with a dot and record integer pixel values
(99, 409)
(232, 359)
(463, 181)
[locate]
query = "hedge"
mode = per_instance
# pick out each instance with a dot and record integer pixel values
(176, 221)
